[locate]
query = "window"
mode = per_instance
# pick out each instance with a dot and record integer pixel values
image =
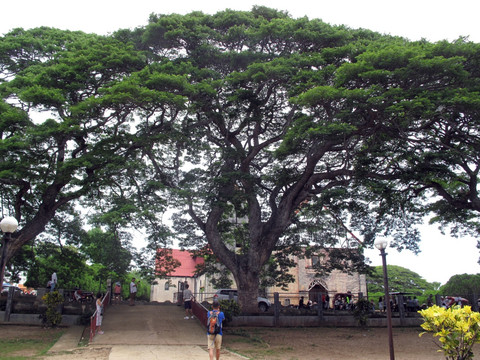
(315, 261)
(167, 285)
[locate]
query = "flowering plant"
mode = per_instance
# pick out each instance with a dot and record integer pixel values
(457, 329)
(52, 317)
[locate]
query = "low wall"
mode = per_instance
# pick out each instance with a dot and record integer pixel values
(26, 309)
(307, 321)
(67, 320)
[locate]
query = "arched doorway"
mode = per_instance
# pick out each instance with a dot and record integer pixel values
(316, 287)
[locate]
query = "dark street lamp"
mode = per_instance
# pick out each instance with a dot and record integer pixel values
(8, 225)
(381, 244)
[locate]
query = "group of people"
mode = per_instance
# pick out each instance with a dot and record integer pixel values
(410, 304)
(116, 298)
(214, 340)
(343, 302)
(117, 292)
(302, 305)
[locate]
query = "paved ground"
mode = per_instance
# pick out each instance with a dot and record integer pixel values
(146, 332)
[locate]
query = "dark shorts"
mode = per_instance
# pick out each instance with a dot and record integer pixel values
(187, 304)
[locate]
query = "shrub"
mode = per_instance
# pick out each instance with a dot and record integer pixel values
(457, 329)
(52, 317)
(361, 311)
(230, 309)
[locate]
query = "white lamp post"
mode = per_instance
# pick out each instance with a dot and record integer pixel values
(381, 244)
(8, 225)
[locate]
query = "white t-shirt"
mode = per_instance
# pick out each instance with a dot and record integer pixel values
(133, 287)
(54, 278)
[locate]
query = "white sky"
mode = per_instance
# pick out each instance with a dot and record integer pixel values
(434, 20)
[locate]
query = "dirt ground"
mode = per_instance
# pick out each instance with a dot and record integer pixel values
(335, 344)
(285, 344)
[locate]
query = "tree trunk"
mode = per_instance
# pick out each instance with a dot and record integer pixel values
(248, 283)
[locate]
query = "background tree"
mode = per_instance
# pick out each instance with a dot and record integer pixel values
(63, 137)
(400, 279)
(107, 251)
(69, 264)
(464, 285)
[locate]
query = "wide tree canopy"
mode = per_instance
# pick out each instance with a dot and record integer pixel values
(285, 115)
(426, 100)
(270, 132)
(400, 279)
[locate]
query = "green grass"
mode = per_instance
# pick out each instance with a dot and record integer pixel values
(20, 349)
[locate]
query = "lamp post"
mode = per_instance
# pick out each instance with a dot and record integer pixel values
(381, 244)
(8, 225)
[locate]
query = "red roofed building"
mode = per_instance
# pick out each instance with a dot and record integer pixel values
(174, 268)
(177, 267)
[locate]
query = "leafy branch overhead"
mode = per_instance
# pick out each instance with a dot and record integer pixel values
(263, 132)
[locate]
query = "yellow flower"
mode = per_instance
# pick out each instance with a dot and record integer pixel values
(457, 329)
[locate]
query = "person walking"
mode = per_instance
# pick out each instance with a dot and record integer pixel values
(99, 315)
(187, 302)
(214, 341)
(133, 292)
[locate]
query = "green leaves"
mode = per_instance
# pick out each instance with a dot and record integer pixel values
(457, 329)
(400, 279)
(245, 115)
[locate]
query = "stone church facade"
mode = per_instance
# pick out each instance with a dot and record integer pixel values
(306, 282)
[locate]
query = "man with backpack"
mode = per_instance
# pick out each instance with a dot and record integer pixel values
(215, 318)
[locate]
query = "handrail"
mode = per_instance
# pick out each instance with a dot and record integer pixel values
(93, 322)
(200, 312)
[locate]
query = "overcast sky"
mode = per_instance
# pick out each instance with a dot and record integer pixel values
(441, 256)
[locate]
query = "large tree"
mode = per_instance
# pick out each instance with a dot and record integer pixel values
(269, 129)
(288, 121)
(62, 137)
(265, 127)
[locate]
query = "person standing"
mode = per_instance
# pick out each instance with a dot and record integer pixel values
(381, 304)
(187, 302)
(53, 281)
(117, 292)
(133, 292)
(99, 315)
(300, 303)
(214, 341)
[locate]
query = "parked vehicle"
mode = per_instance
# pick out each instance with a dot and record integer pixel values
(224, 294)
(17, 290)
(81, 296)
(449, 301)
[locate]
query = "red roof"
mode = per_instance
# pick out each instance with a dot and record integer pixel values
(187, 263)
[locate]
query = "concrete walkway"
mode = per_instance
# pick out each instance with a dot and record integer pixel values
(146, 332)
